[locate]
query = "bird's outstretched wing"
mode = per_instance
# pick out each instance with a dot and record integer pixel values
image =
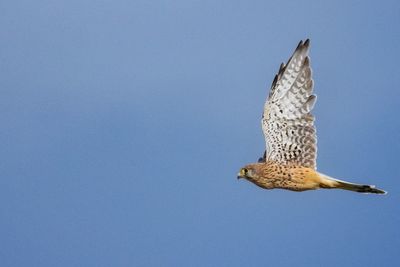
(287, 122)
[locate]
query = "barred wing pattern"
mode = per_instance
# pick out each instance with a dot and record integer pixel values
(287, 122)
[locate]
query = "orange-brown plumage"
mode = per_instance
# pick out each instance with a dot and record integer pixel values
(271, 175)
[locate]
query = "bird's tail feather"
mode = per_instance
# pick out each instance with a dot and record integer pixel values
(361, 188)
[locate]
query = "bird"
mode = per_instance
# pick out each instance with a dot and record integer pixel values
(289, 160)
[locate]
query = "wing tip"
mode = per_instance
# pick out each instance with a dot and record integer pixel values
(299, 45)
(300, 51)
(281, 67)
(275, 80)
(302, 47)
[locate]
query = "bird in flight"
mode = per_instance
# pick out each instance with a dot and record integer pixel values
(289, 161)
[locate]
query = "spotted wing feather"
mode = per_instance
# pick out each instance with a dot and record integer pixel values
(287, 122)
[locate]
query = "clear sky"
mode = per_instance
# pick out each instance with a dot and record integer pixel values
(124, 123)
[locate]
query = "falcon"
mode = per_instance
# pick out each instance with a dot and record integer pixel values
(289, 161)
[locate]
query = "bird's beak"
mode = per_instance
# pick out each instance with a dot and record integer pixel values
(240, 174)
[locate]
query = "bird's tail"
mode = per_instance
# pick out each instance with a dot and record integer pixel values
(361, 188)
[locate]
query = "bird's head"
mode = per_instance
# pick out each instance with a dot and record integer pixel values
(249, 172)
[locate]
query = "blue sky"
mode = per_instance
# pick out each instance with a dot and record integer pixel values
(124, 124)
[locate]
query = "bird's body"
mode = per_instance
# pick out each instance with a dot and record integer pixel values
(289, 161)
(293, 177)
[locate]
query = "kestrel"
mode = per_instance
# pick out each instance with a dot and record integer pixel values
(289, 161)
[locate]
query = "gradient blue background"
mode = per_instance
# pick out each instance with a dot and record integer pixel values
(124, 123)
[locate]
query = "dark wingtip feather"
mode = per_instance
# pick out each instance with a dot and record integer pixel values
(281, 67)
(275, 80)
(300, 44)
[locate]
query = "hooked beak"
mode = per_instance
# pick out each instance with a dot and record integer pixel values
(240, 174)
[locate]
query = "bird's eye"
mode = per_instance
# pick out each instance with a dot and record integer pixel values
(245, 171)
